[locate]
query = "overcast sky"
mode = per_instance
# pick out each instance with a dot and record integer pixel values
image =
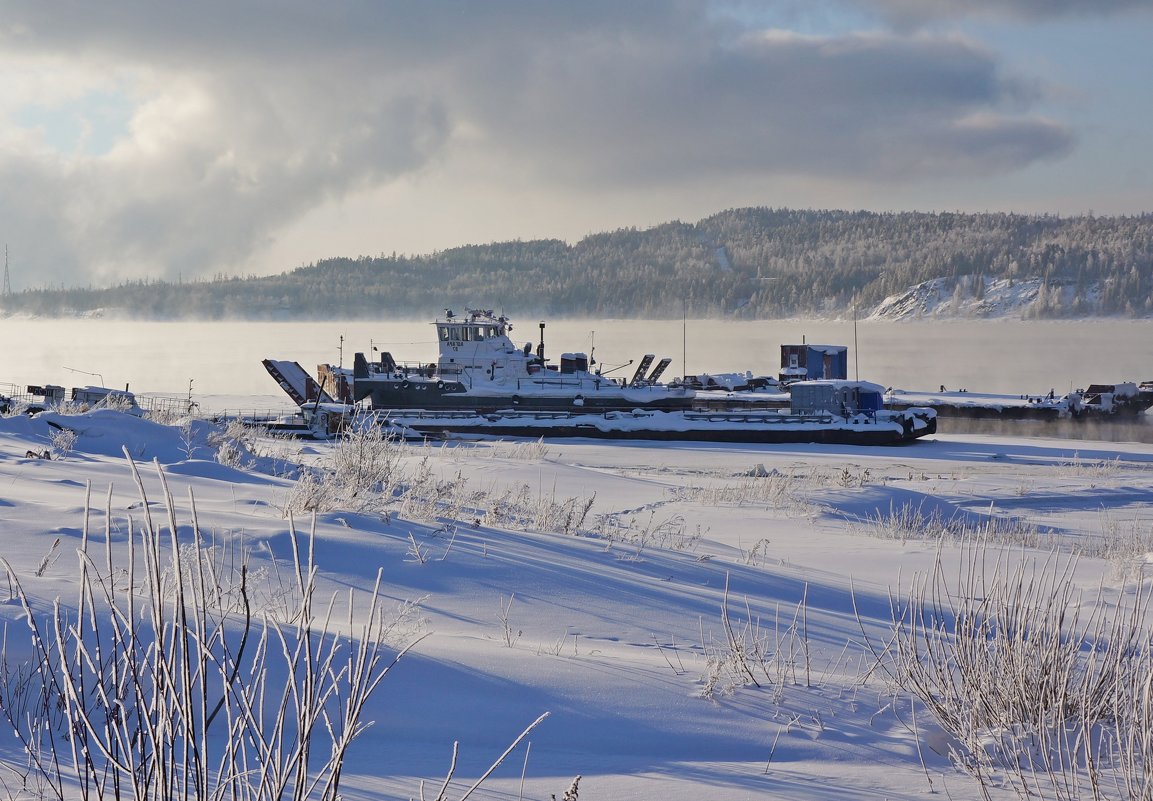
(155, 139)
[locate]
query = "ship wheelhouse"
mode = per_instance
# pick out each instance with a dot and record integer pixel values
(460, 333)
(475, 345)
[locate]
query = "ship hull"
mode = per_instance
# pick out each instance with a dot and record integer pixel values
(437, 395)
(738, 427)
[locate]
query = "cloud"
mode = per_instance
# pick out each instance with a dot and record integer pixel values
(917, 12)
(235, 120)
(858, 107)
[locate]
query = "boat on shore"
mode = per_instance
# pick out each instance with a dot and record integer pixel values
(479, 368)
(483, 385)
(823, 412)
(1117, 402)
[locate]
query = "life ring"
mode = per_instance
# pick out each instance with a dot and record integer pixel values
(404, 384)
(440, 386)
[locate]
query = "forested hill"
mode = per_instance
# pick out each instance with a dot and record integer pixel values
(752, 263)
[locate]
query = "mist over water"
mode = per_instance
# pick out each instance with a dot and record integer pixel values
(223, 358)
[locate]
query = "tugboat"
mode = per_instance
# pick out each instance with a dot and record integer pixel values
(483, 386)
(480, 369)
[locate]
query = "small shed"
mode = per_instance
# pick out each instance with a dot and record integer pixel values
(102, 396)
(845, 398)
(814, 362)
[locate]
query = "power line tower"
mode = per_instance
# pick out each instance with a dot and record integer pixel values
(7, 290)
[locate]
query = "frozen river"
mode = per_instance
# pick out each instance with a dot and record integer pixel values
(223, 358)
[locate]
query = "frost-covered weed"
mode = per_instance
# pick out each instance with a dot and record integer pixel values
(361, 476)
(1126, 546)
(165, 416)
(789, 492)
(229, 454)
(758, 554)
(752, 652)
(1095, 469)
(367, 474)
(531, 451)
(365, 461)
(520, 508)
(911, 522)
(313, 491)
(1038, 687)
(509, 633)
(776, 491)
(147, 686)
(14, 408)
(424, 496)
(63, 441)
(638, 533)
(234, 443)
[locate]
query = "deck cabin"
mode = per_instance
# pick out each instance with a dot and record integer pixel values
(477, 347)
(814, 363)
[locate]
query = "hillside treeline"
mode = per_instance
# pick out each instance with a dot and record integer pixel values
(752, 263)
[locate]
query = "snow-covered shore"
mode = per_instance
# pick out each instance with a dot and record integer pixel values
(588, 580)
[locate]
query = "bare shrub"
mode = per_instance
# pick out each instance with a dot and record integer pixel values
(1039, 687)
(63, 441)
(850, 478)
(149, 687)
(1094, 469)
(776, 490)
(509, 633)
(1126, 546)
(231, 444)
(14, 408)
(362, 475)
(909, 522)
(755, 652)
(520, 508)
(313, 491)
(442, 794)
(640, 534)
(365, 460)
(424, 496)
(531, 451)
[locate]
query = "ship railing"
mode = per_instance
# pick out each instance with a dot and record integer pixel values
(512, 415)
(269, 420)
(553, 379)
(420, 369)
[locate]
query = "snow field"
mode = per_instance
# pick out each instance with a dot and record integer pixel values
(698, 633)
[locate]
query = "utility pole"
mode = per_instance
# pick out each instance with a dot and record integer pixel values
(7, 290)
(856, 350)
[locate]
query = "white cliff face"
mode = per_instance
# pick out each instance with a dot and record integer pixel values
(979, 297)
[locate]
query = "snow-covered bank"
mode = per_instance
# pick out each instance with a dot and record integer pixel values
(982, 297)
(616, 628)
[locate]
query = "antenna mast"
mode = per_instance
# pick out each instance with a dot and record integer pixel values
(7, 290)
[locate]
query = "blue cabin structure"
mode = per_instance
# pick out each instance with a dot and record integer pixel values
(814, 363)
(843, 398)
